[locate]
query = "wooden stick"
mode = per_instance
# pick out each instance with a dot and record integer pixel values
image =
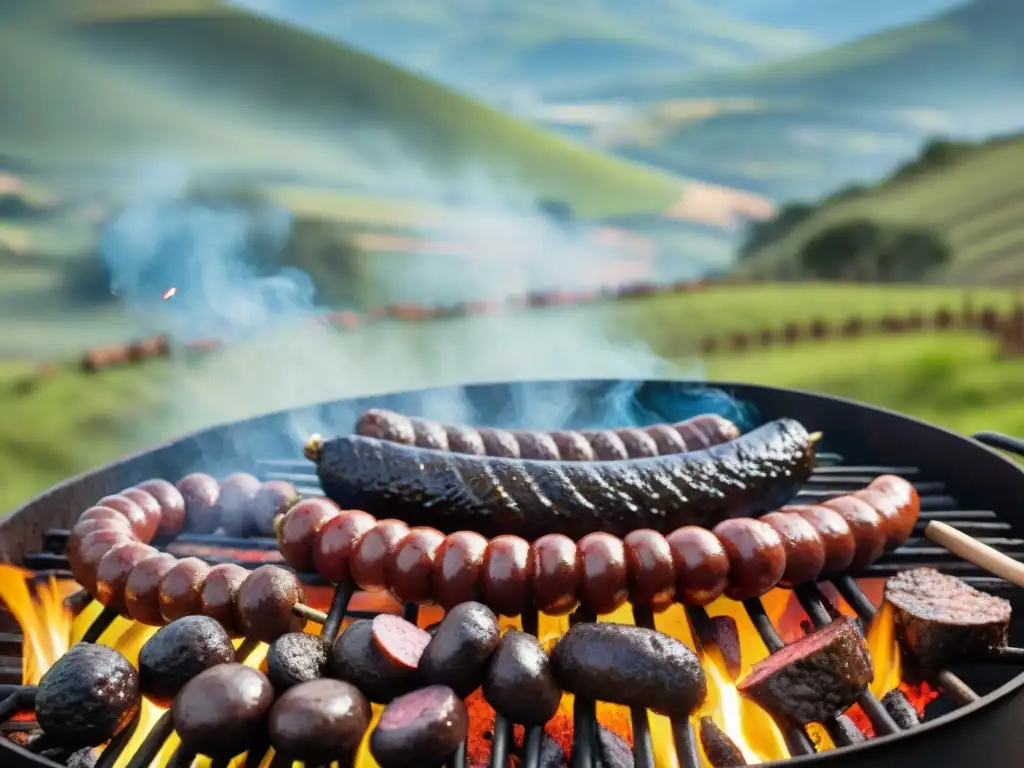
(309, 614)
(973, 551)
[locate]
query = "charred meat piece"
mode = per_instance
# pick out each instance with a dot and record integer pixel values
(319, 721)
(178, 652)
(900, 709)
(380, 656)
(628, 665)
(460, 648)
(719, 749)
(814, 678)
(750, 475)
(941, 620)
(87, 697)
(295, 658)
(520, 683)
(421, 728)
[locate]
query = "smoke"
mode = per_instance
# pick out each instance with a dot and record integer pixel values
(279, 356)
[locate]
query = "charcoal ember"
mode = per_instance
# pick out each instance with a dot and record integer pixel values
(900, 709)
(845, 732)
(940, 620)
(82, 758)
(551, 755)
(721, 632)
(814, 678)
(612, 751)
(719, 749)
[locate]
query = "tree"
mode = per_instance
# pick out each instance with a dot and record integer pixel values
(867, 250)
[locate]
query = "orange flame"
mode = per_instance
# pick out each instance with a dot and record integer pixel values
(49, 630)
(40, 612)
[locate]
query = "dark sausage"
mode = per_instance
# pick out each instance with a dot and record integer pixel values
(900, 491)
(172, 504)
(92, 549)
(638, 444)
(386, 425)
(220, 591)
(181, 590)
(457, 569)
(336, 541)
(143, 526)
(536, 445)
(142, 590)
(430, 434)
(505, 576)
(805, 552)
(373, 552)
(605, 583)
(499, 442)
(113, 571)
(200, 492)
(235, 503)
(701, 564)
(297, 532)
(835, 534)
(149, 505)
(573, 446)
(410, 568)
(465, 440)
(667, 439)
(757, 558)
(607, 444)
(263, 607)
(274, 498)
(652, 577)
(706, 430)
(555, 574)
(753, 474)
(867, 525)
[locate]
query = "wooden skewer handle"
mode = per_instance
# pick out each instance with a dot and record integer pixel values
(973, 551)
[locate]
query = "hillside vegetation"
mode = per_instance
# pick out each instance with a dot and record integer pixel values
(969, 197)
(113, 85)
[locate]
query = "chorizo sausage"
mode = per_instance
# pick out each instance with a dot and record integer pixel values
(805, 552)
(701, 564)
(555, 574)
(296, 535)
(835, 533)
(869, 530)
(757, 558)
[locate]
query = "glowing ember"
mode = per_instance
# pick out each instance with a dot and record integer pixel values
(169, 293)
(44, 620)
(49, 631)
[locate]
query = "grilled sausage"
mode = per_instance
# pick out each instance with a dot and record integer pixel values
(605, 584)
(92, 549)
(410, 568)
(200, 492)
(142, 590)
(372, 553)
(172, 504)
(652, 576)
(869, 529)
(753, 474)
(757, 559)
(181, 590)
(143, 526)
(458, 564)
(264, 603)
(555, 574)
(805, 552)
(113, 571)
(235, 503)
(698, 432)
(297, 533)
(220, 590)
(701, 565)
(902, 493)
(336, 541)
(149, 506)
(835, 533)
(505, 575)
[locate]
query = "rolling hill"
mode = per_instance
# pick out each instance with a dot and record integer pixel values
(847, 112)
(528, 48)
(975, 202)
(116, 85)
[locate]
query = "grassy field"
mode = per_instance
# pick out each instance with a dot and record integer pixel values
(71, 421)
(122, 85)
(976, 204)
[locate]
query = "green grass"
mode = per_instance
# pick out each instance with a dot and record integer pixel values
(115, 85)
(72, 421)
(976, 204)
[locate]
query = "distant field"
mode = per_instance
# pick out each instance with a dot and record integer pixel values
(73, 421)
(977, 204)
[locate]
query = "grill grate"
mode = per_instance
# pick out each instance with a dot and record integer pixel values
(827, 481)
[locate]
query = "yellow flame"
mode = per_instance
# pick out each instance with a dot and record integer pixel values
(44, 619)
(885, 652)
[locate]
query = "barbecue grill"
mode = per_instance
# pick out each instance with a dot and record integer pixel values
(962, 482)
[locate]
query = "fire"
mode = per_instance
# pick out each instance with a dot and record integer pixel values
(172, 291)
(44, 620)
(49, 630)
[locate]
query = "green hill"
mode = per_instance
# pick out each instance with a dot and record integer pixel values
(974, 201)
(816, 121)
(113, 84)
